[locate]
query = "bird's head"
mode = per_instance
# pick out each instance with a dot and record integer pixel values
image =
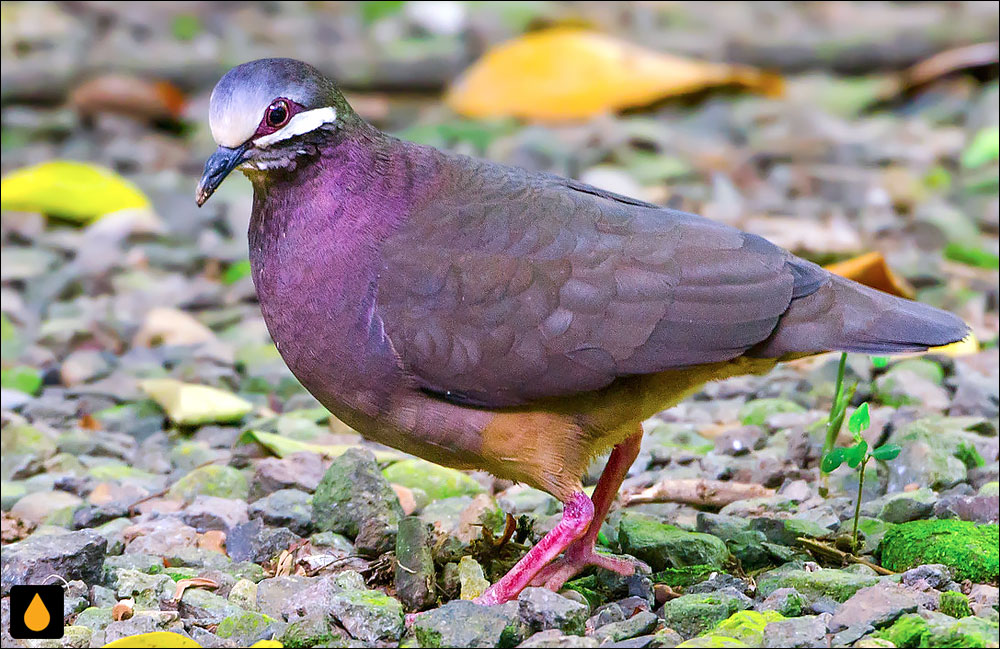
(265, 115)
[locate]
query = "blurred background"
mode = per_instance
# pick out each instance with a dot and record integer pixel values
(834, 129)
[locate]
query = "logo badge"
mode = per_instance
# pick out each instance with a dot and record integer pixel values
(36, 612)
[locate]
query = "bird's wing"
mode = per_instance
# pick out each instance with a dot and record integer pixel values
(506, 287)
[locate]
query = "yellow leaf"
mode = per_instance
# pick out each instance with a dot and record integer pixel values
(282, 446)
(569, 73)
(871, 270)
(964, 347)
(154, 640)
(190, 404)
(267, 644)
(75, 191)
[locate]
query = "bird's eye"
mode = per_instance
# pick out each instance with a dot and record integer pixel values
(277, 114)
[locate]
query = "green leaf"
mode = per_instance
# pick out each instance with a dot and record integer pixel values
(236, 272)
(886, 452)
(372, 12)
(984, 148)
(972, 256)
(854, 455)
(878, 362)
(186, 26)
(25, 379)
(832, 460)
(860, 420)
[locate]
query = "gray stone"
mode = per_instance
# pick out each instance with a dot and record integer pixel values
(461, 623)
(982, 509)
(74, 555)
(806, 631)
(144, 622)
(739, 441)
(876, 606)
(147, 590)
(786, 601)
(901, 507)
(934, 575)
(541, 609)
(274, 594)
(214, 513)
(353, 491)
(289, 508)
(204, 605)
(301, 471)
(255, 542)
(414, 574)
(368, 615)
(642, 623)
(554, 639)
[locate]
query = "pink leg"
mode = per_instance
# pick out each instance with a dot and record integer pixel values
(580, 553)
(577, 515)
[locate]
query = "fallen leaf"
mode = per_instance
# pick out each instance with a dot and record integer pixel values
(567, 73)
(102, 494)
(123, 610)
(128, 95)
(267, 644)
(167, 326)
(284, 565)
(871, 270)
(283, 446)
(193, 582)
(153, 640)
(74, 191)
(214, 540)
(964, 347)
(191, 404)
(405, 497)
(957, 59)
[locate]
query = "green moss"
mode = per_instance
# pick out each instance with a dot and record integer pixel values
(756, 412)
(838, 585)
(666, 546)
(437, 481)
(221, 481)
(711, 642)
(954, 604)
(970, 550)
(747, 626)
(683, 577)
(697, 613)
(914, 631)
(244, 628)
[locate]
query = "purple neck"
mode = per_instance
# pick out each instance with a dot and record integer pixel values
(315, 236)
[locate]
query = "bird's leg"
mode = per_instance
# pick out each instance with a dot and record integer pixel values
(580, 553)
(578, 513)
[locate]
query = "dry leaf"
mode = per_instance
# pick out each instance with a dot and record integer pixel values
(167, 326)
(127, 95)
(568, 73)
(405, 497)
(284, 565)
(123, 610)
(75, 191)
(102, 494)
(871, 270)
(214, 540)
(191, 404)
(957, 59)
(193, 582)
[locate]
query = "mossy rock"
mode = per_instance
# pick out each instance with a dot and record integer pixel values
(747, 626)
(245, 628)
(838, 585)
(970, 550)
(711, 642)
(914, 631)
(692, 614)
(221, 481)
(665, 546)
(756, 412)
(437, 481)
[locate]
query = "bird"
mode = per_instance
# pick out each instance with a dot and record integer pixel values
(483, 316)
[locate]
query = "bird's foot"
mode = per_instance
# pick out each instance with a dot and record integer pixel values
(557, 573)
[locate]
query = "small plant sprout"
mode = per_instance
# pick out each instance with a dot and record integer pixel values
(841, 398)
(857, 456)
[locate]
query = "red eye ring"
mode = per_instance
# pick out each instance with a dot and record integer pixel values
(278, 114)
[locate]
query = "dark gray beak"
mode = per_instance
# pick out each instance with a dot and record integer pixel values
(217, 167)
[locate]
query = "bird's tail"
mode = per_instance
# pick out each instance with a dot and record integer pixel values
(845, 316)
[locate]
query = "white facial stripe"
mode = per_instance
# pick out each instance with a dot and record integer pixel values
(300, 124)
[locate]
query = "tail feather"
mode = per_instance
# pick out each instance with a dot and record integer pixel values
(846, 316)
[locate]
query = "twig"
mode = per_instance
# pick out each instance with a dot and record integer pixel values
(844, 557)
(703, 493)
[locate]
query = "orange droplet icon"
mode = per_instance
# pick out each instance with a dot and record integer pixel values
(36, 617)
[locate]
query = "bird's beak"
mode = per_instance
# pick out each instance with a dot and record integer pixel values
(217, 167)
